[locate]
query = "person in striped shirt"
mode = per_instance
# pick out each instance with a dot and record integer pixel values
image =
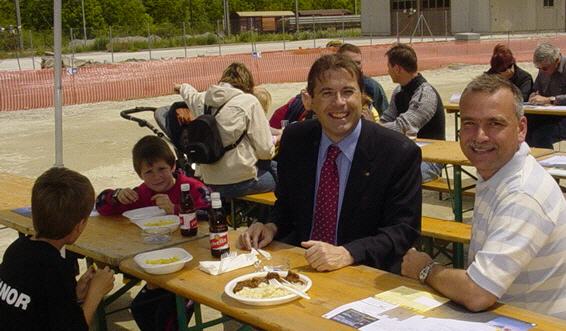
(518, 249)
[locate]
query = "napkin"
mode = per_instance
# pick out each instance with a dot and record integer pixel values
(229, 263)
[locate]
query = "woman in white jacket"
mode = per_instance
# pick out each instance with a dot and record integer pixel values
(236, 173)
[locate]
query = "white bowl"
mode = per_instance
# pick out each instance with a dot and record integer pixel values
(229, 290)
(143, 213)
(160, 269)
(168, 221)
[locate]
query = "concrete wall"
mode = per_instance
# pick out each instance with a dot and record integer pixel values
(509, 15)
(549, 18)
(376, 17)
(483, 16)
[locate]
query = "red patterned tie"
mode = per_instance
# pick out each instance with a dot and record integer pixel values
(326, 208)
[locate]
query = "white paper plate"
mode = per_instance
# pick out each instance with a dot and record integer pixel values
(229, 290)
(159, 269)
(167, 221)
(143, 213)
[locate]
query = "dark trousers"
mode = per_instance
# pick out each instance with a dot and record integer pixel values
(543, 131)
(155, 310)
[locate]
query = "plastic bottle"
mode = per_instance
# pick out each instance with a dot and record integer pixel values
(218, 228)
(187, 212)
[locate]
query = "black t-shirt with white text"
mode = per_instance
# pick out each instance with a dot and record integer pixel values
(38, 289)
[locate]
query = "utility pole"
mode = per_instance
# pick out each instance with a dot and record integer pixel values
(84, 21)
(226, 17)
(297, 16)
(19, 23)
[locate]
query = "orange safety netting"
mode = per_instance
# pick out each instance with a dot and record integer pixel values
(135, 80)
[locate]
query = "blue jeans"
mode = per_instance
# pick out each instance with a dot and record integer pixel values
(430, 171)
(265, 182)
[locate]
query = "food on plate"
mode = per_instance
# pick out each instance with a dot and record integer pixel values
(162, 261)
(259, 287)
(160, 223)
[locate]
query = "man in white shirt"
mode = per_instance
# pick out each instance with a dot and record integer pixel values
(517, 252)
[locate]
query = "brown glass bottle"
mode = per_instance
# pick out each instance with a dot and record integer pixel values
(187, 212)
(218, 228)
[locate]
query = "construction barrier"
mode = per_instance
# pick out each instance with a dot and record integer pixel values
(31, 89)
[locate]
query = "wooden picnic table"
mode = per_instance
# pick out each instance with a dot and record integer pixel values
(454, 108)
(108, 240)
(329, 290)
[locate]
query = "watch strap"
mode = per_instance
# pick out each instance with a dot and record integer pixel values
(425, 272)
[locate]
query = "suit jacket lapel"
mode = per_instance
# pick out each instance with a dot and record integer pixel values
(358, 177)
(311, 158)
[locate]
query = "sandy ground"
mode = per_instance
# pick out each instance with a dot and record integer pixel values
(98, 142)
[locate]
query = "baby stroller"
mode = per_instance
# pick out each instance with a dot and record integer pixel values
(169, 129)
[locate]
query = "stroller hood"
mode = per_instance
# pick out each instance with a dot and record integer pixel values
(217, 95)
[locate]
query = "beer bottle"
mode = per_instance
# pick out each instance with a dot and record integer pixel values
(187, 213)
(218, 228)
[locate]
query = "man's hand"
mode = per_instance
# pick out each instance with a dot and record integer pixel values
(258, 235)
(325, 257)
(184, 115)
(127, 196)
(83, 283)
(162, 201)
(413, 262)
(537, 99)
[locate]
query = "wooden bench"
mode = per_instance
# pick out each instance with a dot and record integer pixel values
(430, 227)
(446, 230)
(267, 198)
(441, 185)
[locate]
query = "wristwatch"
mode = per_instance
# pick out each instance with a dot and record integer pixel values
(552, 100)
(423, 275)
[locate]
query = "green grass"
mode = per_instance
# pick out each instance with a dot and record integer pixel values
(43, 41)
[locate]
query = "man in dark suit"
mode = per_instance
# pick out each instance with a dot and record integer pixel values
(362, 206)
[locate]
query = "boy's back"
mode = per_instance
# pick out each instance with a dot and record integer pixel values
(37, 289)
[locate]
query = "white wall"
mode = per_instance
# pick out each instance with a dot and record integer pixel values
(513, 15)
(549, 18)
(376, 17)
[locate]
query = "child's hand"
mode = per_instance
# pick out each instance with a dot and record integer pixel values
(162, 201)
(177, 88)
(127, 196)
(83, 284)
(102, 282)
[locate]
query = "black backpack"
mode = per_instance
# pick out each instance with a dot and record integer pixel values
(200, 139)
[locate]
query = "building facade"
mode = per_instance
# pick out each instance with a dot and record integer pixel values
(406, 17)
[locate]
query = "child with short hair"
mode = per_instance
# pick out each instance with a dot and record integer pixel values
(61, 203)
(154, 162)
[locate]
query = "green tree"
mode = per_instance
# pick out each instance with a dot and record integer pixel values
(128, 14)
(7, 13)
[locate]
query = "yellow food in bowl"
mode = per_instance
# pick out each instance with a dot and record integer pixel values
(162, 261)
(160, 223)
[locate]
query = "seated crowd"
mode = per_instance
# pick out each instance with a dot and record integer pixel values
(347, 180)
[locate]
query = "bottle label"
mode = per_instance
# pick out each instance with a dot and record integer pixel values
(219, 240)
(187, 220)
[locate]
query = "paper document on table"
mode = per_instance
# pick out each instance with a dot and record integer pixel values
(420, 301)
(359, 313)
(556, 161)
(421, 323)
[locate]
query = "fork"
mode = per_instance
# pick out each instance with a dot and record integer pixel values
(290, 288)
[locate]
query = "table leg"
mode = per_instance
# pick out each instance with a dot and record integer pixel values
(456, 122)
(458, 248)
(181, 317)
